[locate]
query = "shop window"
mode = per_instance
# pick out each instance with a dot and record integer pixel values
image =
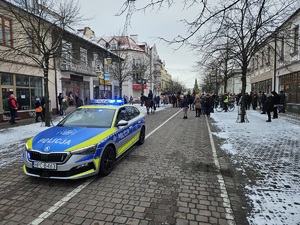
(22, 80)
(36, 82)
(6, 79)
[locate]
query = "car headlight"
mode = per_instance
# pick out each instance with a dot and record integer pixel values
(27, 148)
(85, 151)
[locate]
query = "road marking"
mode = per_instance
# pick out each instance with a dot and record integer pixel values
(162, 124)
(60, 203)
(224, 194)
(65, 199)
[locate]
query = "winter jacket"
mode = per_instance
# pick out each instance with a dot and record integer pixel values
(269, 104)
(185, 102)
(12, 104)
(197, 103)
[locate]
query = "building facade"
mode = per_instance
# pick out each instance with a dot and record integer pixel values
(276, 67)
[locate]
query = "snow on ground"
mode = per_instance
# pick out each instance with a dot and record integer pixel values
(267, 155)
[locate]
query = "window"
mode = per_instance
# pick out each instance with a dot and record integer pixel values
(281, 50)
(5, 31)
(33, 41)
(28, 89)
(66, 54)
(6, 79)
(268, 55)
(83, 56)
(256, 61)
(113, 46)
(295, 39)
(262, 58)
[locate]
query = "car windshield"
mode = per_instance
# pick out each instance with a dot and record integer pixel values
(89, 117)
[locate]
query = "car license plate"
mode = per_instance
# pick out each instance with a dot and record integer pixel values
(44, 165)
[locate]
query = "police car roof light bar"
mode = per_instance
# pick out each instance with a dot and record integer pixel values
(107, 101)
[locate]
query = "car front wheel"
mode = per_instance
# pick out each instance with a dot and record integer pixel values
(107, 162)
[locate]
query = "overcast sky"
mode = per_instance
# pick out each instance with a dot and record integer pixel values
(149, 26)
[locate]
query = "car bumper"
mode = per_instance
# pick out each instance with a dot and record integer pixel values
(75, 167)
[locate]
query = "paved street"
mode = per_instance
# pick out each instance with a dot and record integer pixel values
(174, 178)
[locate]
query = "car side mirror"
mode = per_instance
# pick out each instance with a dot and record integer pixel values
(122, 123)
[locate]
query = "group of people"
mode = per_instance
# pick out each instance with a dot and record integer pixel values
(274, 103)
(63, 102)
(13, 107)
(201, 104)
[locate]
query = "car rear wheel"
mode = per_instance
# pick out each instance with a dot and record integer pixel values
(142, 136)
(107, 162)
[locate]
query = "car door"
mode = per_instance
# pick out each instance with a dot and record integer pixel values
(135, 122)
(123, 132)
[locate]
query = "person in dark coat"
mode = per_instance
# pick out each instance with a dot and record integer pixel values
(59, 99)
(282, 102)
(248, 101)
(263, 100)
(269, 105)
(276, 103)
(79, 101)
(208, 105)
(185, 106)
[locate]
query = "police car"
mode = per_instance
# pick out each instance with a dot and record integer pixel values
(86, 142)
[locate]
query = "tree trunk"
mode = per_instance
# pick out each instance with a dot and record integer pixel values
(46, 94)
(243, 106)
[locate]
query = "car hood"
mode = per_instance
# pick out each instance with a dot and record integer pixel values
(57, 139)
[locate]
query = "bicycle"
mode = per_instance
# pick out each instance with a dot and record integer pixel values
(219, 106)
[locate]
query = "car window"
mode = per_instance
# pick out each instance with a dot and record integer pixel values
(89, 117)
(132, 112)
(122, 114)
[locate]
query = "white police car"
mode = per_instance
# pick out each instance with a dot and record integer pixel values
(86, 142)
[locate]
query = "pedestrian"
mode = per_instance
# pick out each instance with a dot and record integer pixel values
(247, 100)
(185, 106)
(65, 106)
(263, 100)
(269, 105)
(131, 100)
(282, 104)
(208, 105)
(254, 100)
(158, 100)
(59, 99)
(13, 108)
(197, 104)
(225, 102)
(38, 110)
(174, 100)
(79, 101)
(124, 99)
(276, 98)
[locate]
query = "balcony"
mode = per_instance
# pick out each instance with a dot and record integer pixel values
(78, 68)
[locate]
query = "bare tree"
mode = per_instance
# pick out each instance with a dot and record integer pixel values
(244, 23)
(140, 70)
(38, 34)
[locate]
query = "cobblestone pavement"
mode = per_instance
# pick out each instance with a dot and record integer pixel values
(171, 179)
